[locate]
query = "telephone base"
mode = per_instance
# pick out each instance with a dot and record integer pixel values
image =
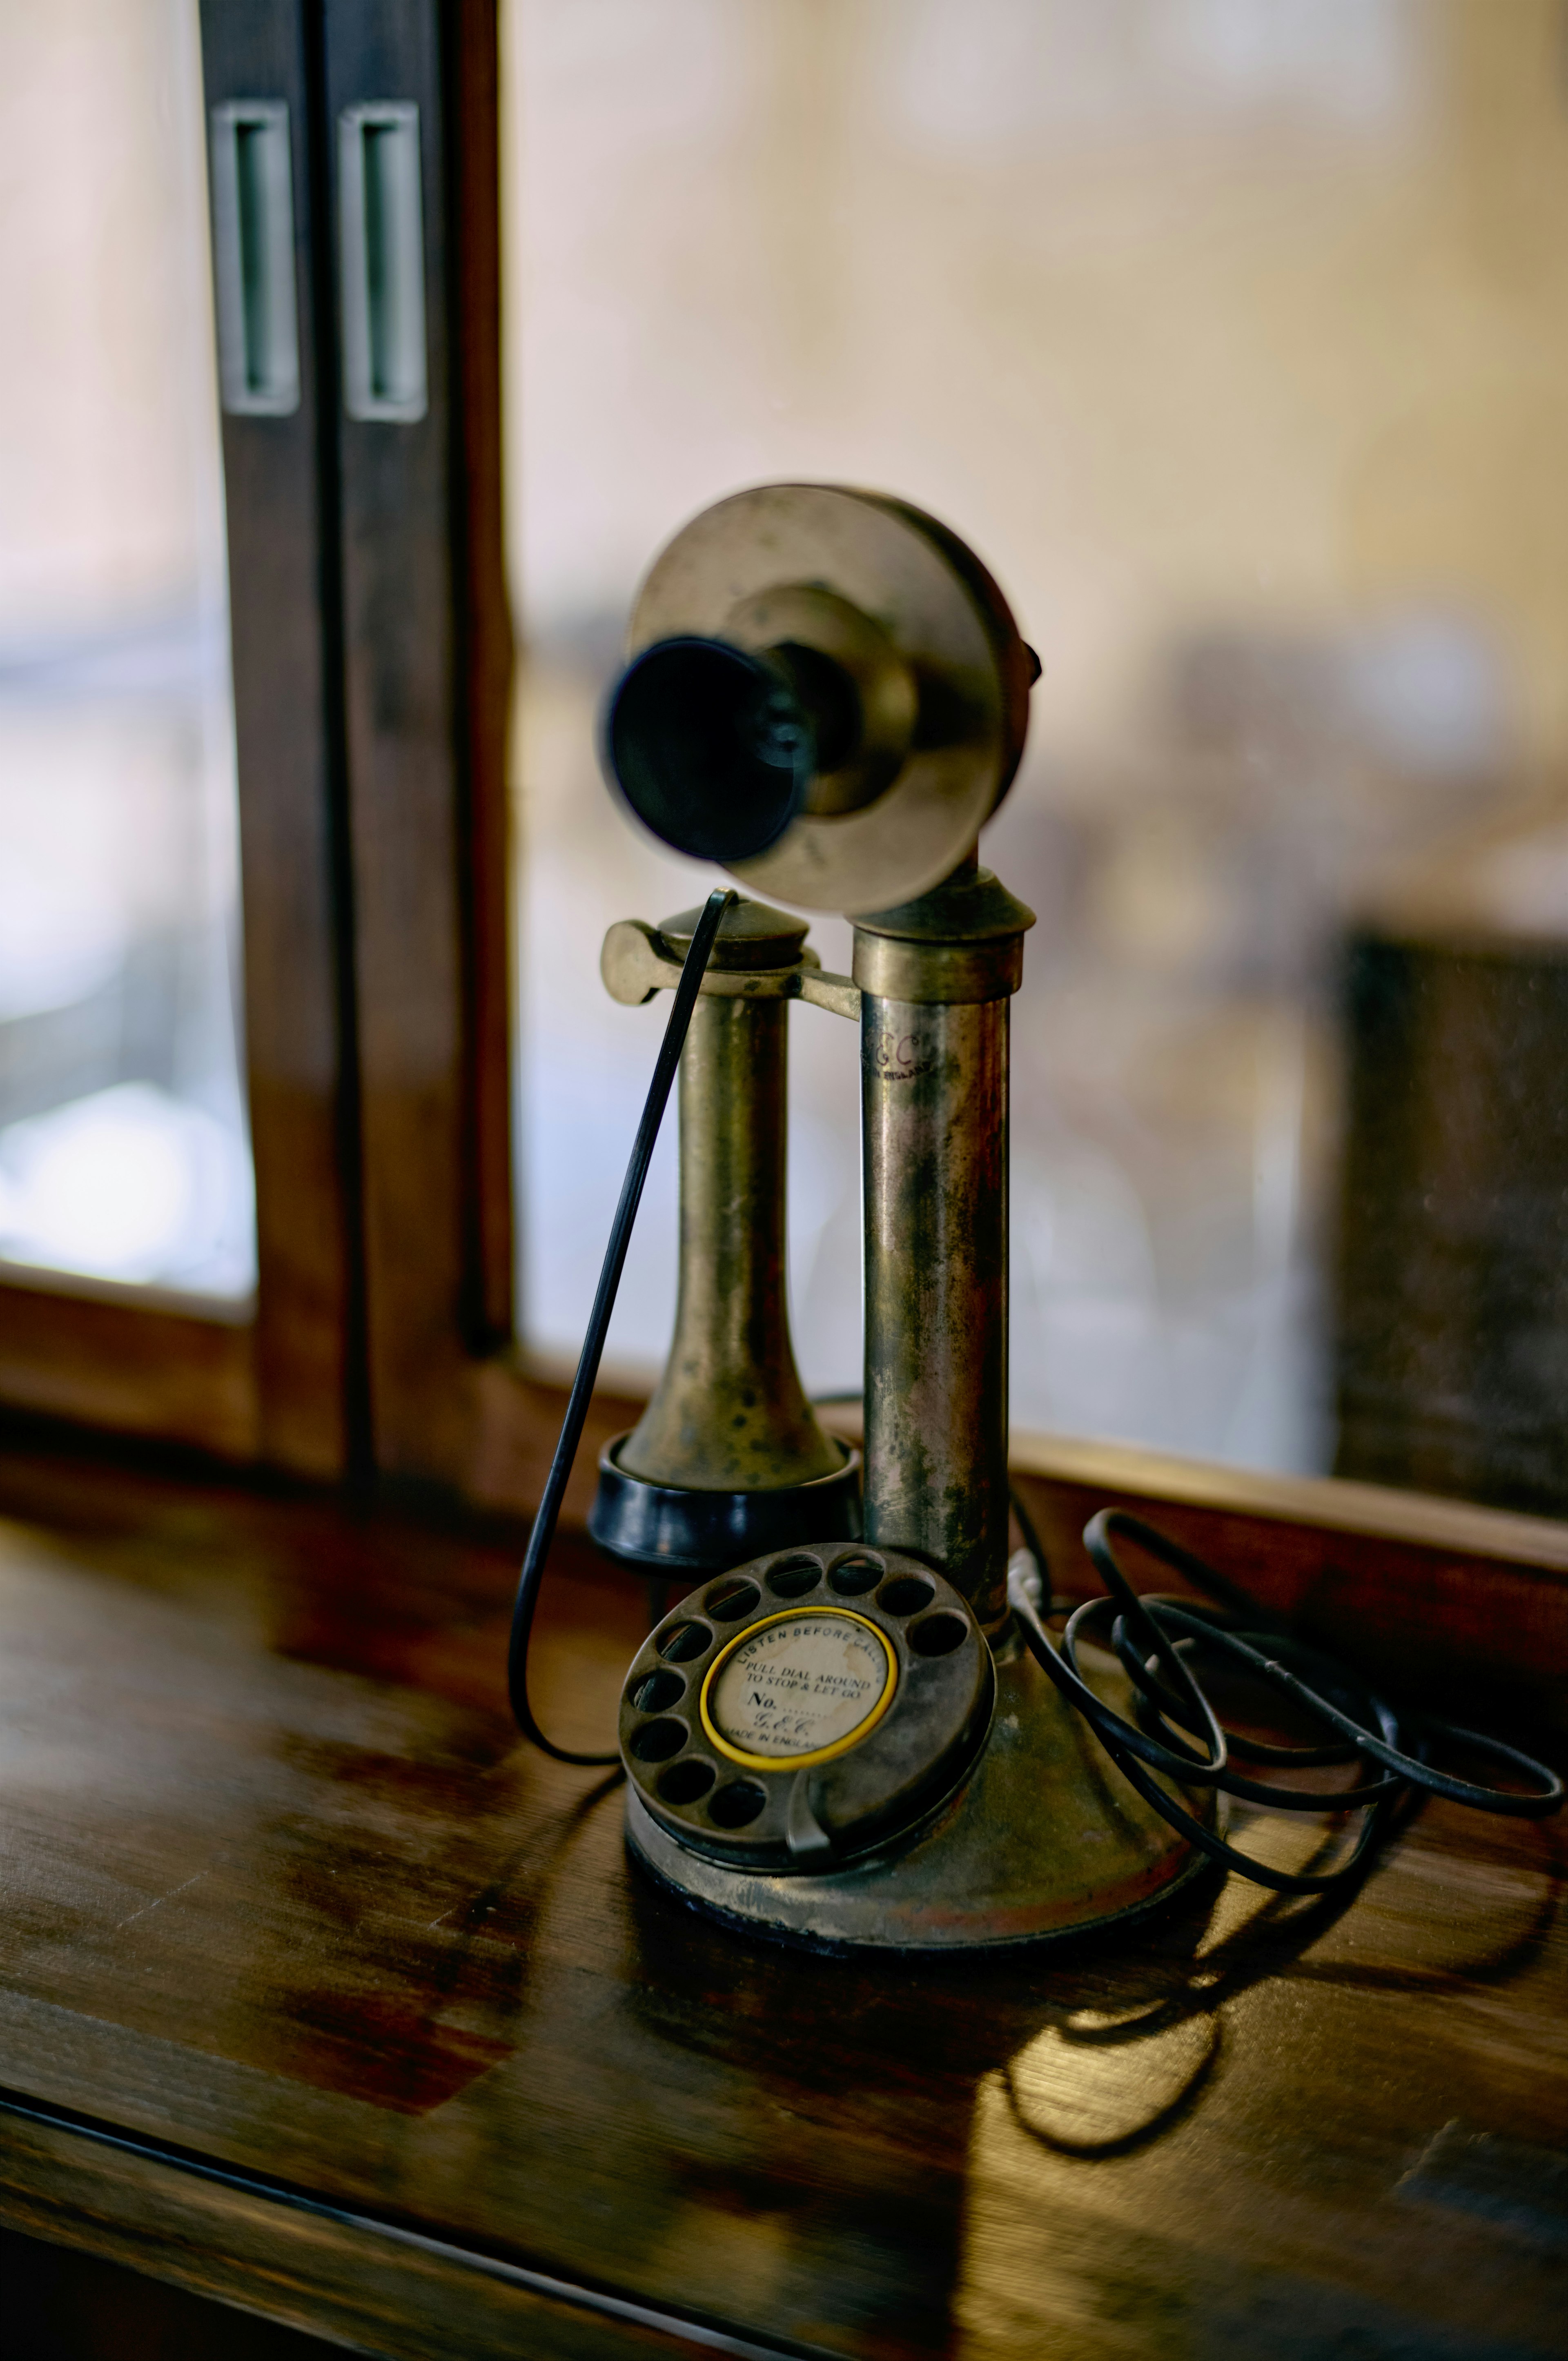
(1046, 1840)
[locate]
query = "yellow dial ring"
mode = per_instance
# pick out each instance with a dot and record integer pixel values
(734, 1753)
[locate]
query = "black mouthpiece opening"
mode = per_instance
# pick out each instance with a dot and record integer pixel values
(710, 746)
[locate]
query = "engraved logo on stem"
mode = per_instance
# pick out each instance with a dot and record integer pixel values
(900, 1056)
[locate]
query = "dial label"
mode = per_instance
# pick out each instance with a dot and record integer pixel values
(802, 1684)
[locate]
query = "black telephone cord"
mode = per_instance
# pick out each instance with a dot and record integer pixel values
(1153, 1638)
(543, 1531)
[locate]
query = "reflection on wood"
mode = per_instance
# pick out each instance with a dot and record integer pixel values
(284, 1894)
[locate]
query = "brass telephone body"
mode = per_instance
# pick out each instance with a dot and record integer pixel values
(827, 692)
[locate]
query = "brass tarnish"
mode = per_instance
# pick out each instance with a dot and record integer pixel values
(1045, 1839)
(911, 682)
(935, 978)
(914, 625)
(789, 622)
(637, 962)
(730, 1413)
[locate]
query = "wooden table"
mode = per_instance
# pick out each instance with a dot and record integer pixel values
(320, 1997)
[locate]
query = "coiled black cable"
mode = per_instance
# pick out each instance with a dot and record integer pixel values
(1153, 1638)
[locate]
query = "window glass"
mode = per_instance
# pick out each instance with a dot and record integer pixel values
(1234, 334)
(123, 1148)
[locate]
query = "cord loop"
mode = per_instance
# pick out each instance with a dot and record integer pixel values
(1153, 1638)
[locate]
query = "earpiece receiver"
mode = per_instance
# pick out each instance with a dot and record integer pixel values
(713, 748)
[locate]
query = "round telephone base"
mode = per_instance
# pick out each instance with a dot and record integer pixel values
(1047, 1839)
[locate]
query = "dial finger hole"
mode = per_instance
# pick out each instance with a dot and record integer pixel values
(938, 1635)
(658, 1692)
(857, 1571)
(729, 1600)
(684, 1783)
(906, 1594)
(682, 1644)
(737, 1805)
(657, 1740)
(793, 1577)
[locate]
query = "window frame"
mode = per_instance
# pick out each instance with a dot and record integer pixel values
(371, 656)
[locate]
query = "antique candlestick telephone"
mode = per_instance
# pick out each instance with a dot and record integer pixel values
(855, 1729)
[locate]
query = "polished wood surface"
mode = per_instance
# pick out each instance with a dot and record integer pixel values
(284, 1898)
(118, 1358)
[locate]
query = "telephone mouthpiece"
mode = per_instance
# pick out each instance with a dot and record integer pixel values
(710, 746)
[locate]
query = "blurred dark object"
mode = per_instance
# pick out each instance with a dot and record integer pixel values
(1452, 1280)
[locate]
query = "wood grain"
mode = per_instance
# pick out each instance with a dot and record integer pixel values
(371, 2284)
(283, 1892)
(64, 2303)
(109, 1358)
(484, 657)
(426, 656)
(285, 638)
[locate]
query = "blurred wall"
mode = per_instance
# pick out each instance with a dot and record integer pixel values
(111, 493)
(1234, 335)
